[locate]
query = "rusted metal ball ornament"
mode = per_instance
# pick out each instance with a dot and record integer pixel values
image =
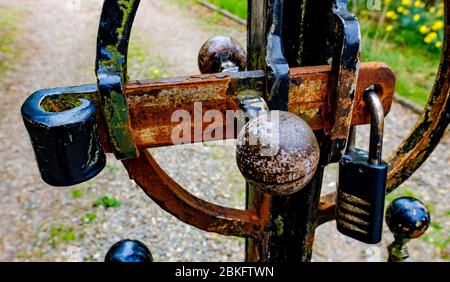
(277, 153)
(407, 218)
(129, 251)
(220, 53)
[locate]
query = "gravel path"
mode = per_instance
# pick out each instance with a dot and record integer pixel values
(40, 223)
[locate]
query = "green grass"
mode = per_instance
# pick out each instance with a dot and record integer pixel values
(106, 202)
(89, 217)
(21, 255)
(58, 233)
(237, 7)
(9, 32)
(414, 66)
(76, 193)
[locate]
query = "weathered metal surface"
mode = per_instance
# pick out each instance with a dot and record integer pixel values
(173, 198)
(342, 82)
(128, 251)
(111, 70)
(309, 88)
(152, 103)
(377, 114)
(65, 139)
(426, 134)
(407, 218)
(221, 53)
(277, 67)
(277, 153)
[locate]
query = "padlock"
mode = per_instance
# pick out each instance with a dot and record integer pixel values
(362, 181)
(64, 139)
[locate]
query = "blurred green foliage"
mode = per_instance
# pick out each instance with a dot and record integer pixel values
(9, 32)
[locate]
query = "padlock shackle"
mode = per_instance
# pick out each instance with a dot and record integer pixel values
(373, 101)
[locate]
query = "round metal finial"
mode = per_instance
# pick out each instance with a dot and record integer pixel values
(129, 251)
(407, 218)
(277, 153)
(221, 53)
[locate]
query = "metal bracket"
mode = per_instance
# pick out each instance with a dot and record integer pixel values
(111, 70)
(342, 83)
(277, 65)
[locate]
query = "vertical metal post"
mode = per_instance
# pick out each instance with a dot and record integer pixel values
(291, 220)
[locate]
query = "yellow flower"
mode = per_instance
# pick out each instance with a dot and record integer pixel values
(424, 29)
(432, 10)
(389, 28)
(438, 44)
(400, 9)
(406, 12)
(440, 13)
(387, 1)
(391, 15)
(407, 3)
(419, 4)
(441, 5)
(430, 37)
(416, 17)
(437, 25)
(156, 71)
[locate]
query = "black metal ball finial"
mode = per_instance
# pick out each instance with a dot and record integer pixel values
(407, 218)
(221, 53)
(128, 251)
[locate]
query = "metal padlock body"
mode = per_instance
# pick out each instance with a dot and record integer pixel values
(66, 144)
(361, 193)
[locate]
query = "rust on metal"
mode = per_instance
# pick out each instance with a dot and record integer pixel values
(152, 103)
(170, 196)
(342, 83)
(277, 153)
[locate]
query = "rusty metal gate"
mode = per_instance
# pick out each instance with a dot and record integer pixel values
(303, 57)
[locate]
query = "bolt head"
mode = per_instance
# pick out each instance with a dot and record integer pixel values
(221, 52)
(407, 218)
(129, 251)
(277, 153)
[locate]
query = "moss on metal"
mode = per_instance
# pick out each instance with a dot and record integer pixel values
(117, 109)
(117, 59)
(279, 225)
(60, 103)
